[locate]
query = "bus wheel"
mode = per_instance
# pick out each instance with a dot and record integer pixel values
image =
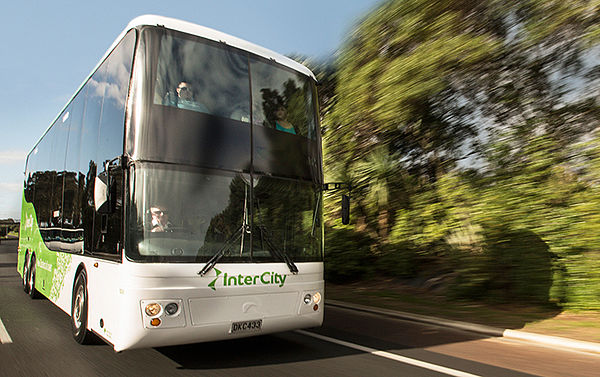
(79, 311)
(26, 273)
(33, 292)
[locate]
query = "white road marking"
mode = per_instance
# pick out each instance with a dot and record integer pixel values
(391, 356)
(4, 337)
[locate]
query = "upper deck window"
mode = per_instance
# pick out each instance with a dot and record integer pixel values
(200, 77)
(199, 98)
(282, 99)
(196, 75)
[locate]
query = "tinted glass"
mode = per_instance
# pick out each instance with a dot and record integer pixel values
(197, 76)
(285, 141)
(95, 88)
(44, 177)
(282, 100)
(187, 215)
(88, 167)
(108, 227)
(29, 188)
(116, 80)
(59, 133)
(72, 233)
(216, 77)
(287, 214)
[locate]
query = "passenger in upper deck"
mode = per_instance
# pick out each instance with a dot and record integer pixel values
(185, 99)
(281, 122)
(160, 219)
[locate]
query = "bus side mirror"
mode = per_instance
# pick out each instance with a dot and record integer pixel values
(345, 209)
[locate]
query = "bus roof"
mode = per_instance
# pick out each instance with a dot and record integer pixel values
(208, 33)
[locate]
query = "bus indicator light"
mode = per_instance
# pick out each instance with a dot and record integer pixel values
(155, 322)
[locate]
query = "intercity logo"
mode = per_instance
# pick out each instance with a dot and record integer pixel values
(266, 278)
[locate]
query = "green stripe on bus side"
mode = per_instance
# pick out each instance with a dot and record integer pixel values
(51, 266)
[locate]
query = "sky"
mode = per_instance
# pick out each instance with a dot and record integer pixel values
(49, 47)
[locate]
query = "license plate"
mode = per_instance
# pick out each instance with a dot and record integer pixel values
(245, 326)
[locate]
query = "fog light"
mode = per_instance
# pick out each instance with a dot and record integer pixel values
(153, 309)
(155, 322)
(307, 299)
(317, 298)
(171, 308)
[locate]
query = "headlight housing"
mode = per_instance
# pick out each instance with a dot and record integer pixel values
(163, 313)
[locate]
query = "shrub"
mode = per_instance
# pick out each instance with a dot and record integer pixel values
(397, 260)
(347, 255)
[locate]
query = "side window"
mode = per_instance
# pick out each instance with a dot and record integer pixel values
(72, 233)
(95, 88)
(116, 80)
(108, 227)
(44, 178)
(29, 181)
(60, 133)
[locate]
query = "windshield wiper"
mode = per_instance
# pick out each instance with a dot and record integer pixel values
(281, 254)
(228, 243)
(314, 222)
(235, 237)
(244, 228)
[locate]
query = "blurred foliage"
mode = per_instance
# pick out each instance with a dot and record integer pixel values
(468, 133)
(350, 259)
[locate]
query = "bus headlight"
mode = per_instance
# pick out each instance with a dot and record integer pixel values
(153, 309)
(307, 299)
(162, 313)
(317, 298)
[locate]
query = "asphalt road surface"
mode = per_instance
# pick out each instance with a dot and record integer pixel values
(36, 341)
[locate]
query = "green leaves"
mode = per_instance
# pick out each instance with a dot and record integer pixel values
(420, 85)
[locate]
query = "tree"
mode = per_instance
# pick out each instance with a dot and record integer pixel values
(460, 123)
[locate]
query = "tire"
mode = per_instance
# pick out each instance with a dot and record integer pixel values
(32, 291)
(26, 273)
(79, 311)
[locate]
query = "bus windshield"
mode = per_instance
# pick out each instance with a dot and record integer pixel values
(183, 214)
(210, 105)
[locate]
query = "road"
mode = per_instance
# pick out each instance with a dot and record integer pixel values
(350, 343)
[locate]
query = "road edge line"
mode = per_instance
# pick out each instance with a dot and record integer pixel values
(4, 336)
(553, 341)
(390, 355)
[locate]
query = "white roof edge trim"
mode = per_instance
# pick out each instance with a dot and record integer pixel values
(215, 35)
(189, 28)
